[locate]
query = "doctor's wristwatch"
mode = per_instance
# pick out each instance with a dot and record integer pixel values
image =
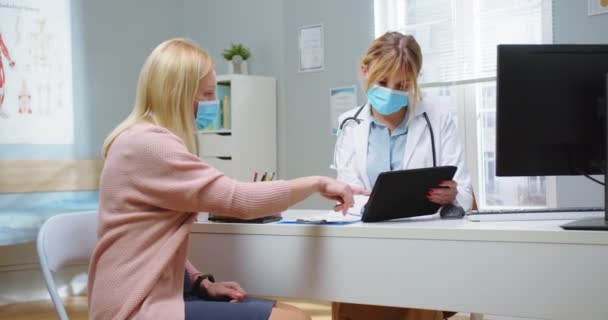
(199, 290)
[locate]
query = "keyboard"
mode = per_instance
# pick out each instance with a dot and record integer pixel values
(564, 213)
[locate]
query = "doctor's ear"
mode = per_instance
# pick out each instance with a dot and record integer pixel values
(363, 69)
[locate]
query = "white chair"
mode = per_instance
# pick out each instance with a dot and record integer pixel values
(65, 240)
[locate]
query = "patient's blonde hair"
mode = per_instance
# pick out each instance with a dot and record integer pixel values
(394, 53)
(166, 90)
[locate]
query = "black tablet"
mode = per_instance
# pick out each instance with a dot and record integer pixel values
(402, 193)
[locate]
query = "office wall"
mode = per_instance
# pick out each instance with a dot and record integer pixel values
(348, 30)
(111, 40)
(256, 24)
(571, 24)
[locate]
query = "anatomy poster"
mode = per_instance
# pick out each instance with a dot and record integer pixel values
(35, 72)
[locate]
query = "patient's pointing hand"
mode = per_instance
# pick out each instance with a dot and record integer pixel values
(340, 192)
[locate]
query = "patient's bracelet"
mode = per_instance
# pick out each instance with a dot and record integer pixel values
(199, 290)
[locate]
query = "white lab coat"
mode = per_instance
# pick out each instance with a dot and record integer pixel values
(350, 158)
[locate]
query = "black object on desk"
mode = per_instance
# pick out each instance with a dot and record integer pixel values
(266, 219)
(402, 193)
(451, 211)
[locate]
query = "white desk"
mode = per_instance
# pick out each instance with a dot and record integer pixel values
(529, 269)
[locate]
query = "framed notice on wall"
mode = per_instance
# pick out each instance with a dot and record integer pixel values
(311, 48)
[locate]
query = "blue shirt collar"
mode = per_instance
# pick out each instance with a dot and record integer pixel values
(399, 130)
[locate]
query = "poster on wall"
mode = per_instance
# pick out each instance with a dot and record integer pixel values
(36, 104)
(598, 7)
(341, 100)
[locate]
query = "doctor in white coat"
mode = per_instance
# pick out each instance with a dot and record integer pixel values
(397, 130)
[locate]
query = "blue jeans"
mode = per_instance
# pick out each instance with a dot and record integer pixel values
(199, 309)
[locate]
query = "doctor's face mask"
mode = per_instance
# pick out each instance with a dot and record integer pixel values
(387, 101)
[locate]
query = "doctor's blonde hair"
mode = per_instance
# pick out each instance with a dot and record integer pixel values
(394, 53)
(166, 90)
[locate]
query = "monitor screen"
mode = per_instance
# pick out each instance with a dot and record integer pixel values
(551, 110)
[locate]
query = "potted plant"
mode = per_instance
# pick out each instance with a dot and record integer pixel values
(237, 56)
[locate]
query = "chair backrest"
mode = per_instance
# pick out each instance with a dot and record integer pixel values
(65, 239)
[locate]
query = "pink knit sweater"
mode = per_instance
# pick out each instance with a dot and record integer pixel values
(150, 186)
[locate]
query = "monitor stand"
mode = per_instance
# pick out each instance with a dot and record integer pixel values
(597, 224)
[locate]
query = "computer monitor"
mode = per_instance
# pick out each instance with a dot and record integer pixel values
(551, 111)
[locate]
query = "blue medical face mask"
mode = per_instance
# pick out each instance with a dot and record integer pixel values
(206, 112)
(385, 100)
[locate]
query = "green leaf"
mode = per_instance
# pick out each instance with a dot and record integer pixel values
(236, 49)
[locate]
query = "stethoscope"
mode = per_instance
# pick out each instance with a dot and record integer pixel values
(356, 119)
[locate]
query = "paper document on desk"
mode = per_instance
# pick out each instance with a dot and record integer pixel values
(360, 202)
(356, 210)
(332, 217)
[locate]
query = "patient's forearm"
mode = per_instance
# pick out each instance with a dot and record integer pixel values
(302, 188)
(192, 271)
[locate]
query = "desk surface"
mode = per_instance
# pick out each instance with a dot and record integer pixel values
(428, 227)
(529, 269)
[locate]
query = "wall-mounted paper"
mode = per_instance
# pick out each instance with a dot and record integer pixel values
(341, 100)
(311, 48)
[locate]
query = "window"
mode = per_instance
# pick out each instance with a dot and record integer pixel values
(458, 39)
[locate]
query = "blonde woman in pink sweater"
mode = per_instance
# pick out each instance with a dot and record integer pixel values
(151, 187)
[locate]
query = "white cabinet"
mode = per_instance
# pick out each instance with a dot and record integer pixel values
(249, 143)
(215, 144)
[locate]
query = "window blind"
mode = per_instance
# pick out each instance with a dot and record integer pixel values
(458, 38)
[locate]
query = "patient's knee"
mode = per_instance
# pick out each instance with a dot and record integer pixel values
(287, 312)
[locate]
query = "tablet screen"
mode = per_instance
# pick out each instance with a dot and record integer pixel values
(402, 193)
